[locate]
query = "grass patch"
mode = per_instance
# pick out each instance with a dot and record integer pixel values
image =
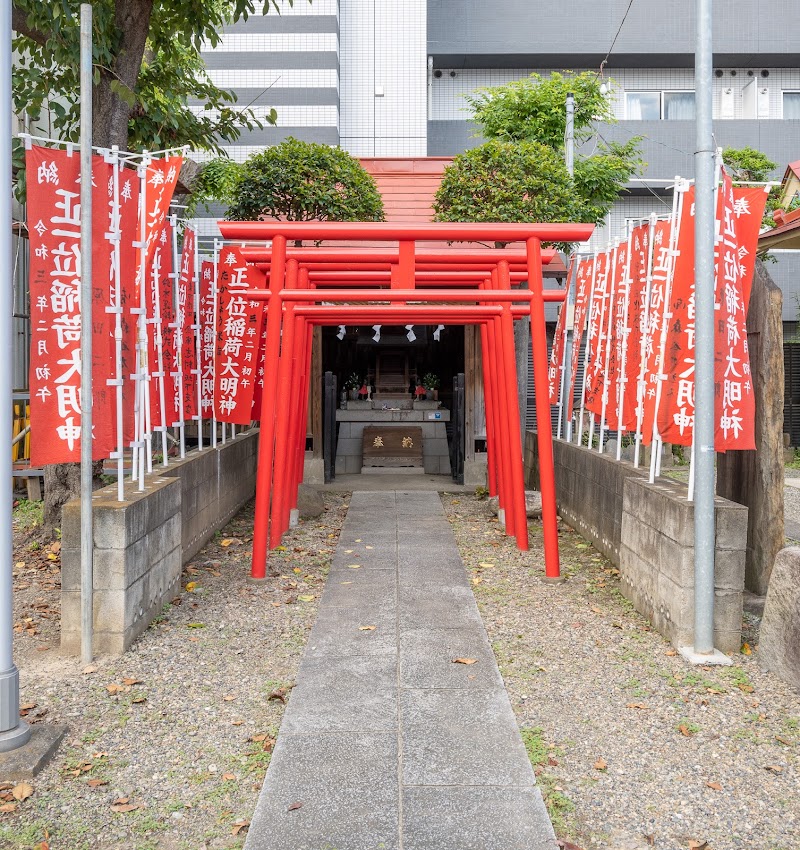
(559, 807)
(28, 515)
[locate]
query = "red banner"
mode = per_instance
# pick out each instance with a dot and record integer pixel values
(185, 321)
(676, 410)
(207, 337)
(238, 325)
(637, 272)
(53, 188)
(653, 323)
(129, 300)
(160, 179)
(618, 353)
(596, 336)
(734, 399)
(161, 338)
(555, 370)
(583, 293)
(748, 207)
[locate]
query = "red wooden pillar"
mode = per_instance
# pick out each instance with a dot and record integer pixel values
(284, 417)
(547, 483)
(266, 439)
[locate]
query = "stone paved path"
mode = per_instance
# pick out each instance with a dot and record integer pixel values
(386, 744)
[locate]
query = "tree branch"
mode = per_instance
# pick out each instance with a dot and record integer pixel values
(19, 23)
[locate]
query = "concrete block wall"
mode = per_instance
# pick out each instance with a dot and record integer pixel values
(647, 530)
(657, 561)
(141, 544)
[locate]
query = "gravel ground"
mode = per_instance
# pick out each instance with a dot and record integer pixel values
(642, 750)
(167, 746)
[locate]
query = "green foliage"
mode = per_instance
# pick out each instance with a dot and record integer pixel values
(747, 164)
(430, 381)
(533, 109)
(305, 181)
(146, 60)
(28, 514)
(216, 181)
(520, 174)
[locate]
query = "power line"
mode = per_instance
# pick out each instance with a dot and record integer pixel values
(622, 24)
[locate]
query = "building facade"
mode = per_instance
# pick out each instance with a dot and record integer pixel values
(388, 79)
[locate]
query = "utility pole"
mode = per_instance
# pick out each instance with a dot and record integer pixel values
(569, 304)
(703, 651)
(14, 732)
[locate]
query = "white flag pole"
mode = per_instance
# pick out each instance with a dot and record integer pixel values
(215, 296)
(198, 332)
(178, 326)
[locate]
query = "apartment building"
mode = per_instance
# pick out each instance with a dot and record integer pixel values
(387, 79)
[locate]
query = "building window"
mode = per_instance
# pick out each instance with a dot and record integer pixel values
(791, 105)
(659, 105)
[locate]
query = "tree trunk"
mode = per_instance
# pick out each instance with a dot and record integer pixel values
(111, 115)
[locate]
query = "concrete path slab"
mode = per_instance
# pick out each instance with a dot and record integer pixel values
(386, 744)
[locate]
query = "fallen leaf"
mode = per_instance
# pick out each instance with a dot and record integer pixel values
(130, 681)
(465, 661)
(369, 547)
(596, 609)
(567, 845)
(228, 777)
(195, 625)
(306, 598)
(477, 580)
(139, 700)
(8, 807)
(746, 649)
(486, 565)
(226, 542)
(671, 652)
(714, 785)
(716, 690)
(367, 628)
(51, 556)
(42, 648)
(784, 741)
(772, 768)
(125, 807)
(354, 566)
(96, 783)
(348, 551)
(639, 705)
(748, 689)
(229, 697)
(114, 688)
(685, 731)
(600, 764)
(190, 586)
(237, 722)
(295, 806)
(22, 791)
(697, 845)
(239, 826)
(279, 693)
(358, 540)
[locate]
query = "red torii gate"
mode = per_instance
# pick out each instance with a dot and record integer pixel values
(425, 287)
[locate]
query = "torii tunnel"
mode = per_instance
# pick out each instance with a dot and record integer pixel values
(391, 276)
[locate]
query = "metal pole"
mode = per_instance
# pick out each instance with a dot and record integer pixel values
(87, 566)
(569, 135)
(14, 732)
(704, 350)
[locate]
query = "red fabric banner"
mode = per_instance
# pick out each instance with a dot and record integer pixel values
(618, 353)
(559, 341)
(160, 179)
(597, 337)
(637, 272)
(734, 399)
(53, 188)
(128, 259)
(652, 325)
(583, 293)
(748, 207)
(239, 321)
(187, 326)
(207, 337)
(676, 410)
(161, 337)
